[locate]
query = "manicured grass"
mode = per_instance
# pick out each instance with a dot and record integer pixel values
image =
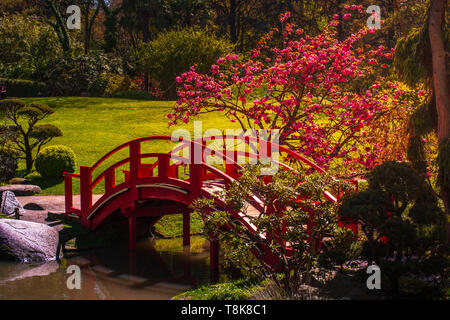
(230, 290)
(172, 225)
(94, 126)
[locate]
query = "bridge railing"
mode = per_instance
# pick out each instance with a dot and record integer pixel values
(68, 193)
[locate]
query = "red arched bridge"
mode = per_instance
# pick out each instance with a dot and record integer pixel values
(150, 185)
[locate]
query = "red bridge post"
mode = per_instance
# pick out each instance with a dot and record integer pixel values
(85, 194)
(195, 171)
(214, 260)
(132, 232)
(135, 163)
(68, 194)
(186, 227)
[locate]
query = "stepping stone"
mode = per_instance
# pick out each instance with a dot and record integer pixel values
(33, 206)
(79, 261)
(53, 216)
(172, 286)
(22, 189)
(134, 280)
(104, 271)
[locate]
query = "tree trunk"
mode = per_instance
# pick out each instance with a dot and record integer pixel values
(59, 26)
(28, 154)
(145, 38)
(87, 36)
(440, 84)
(232, 21)
(88, 24)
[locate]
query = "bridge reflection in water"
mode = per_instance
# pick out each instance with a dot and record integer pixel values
(163, 268)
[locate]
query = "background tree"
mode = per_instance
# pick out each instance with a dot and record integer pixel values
(245, 21)
(140, 14)
(174, 52)
(89, 20)
(422, 61)
(111, 25)
(54, 9)
(29, 136)
(27, 46)
(441, 93)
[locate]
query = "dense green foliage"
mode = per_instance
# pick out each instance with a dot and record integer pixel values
(174, 52)
(27, 45)
(53, 161)
(402, 223)
(85, 75)
(290, 202)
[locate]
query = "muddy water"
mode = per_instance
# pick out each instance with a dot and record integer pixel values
(158, 270)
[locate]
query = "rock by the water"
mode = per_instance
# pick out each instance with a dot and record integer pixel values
(27, 241)
(22, 189)
(33, 206)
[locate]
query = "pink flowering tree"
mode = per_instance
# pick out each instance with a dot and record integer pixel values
(321, 93)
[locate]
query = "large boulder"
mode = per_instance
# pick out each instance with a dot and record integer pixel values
(21, 189)
(27, 241)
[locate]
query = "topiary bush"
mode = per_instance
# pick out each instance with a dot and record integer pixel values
(402, 224)
(53, 161)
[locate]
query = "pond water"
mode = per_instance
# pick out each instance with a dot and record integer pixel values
(158, 269)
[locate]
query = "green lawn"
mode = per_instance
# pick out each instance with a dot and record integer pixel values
(94, 126)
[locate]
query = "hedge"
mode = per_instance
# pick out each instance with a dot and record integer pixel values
(25, 88)
(135, 95)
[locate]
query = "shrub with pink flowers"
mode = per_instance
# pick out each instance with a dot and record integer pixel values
(305, 87)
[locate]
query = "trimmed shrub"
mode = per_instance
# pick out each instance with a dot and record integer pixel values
(135, 95)
(53, 161)
(25, 88)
